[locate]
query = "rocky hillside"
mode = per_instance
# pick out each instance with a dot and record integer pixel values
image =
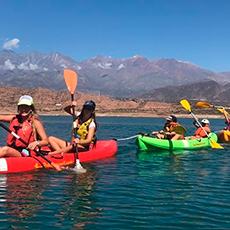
(101, 75)
(51, 103)
(203, 91)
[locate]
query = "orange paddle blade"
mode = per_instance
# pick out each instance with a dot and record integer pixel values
(70, 80)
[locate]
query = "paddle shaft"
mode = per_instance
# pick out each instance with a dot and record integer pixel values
(74, 125)
(25, 143)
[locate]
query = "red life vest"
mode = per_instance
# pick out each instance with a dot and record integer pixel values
(200, 132)
(24, 131)
(228, 124)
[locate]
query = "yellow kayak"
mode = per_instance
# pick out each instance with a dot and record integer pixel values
(224, 136)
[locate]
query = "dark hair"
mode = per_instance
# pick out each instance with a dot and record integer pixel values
(174, 119)
(93, 115)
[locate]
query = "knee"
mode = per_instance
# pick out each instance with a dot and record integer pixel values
(51, 138)
(4, 150)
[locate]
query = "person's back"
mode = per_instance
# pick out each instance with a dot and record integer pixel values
(202, 132)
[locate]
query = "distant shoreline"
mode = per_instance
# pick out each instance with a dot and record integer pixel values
(128, 114)
(139, 115)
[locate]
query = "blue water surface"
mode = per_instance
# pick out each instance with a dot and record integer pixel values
(132, 190)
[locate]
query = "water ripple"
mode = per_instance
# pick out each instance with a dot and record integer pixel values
(133, 190)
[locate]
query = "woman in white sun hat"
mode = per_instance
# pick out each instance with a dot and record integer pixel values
(27, 126)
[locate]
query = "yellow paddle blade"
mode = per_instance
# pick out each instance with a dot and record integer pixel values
(215, 145)
(70, 80)
(186, 105)
(179, 130)
(204, 105)
(223, 111)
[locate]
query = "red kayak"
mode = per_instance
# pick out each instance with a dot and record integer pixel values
(103, 149)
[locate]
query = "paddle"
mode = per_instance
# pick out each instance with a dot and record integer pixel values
(223, 111)
(219, 108)
(187, 106)
(206, 105)
(179, 130)
(55, 166)
(71, 83)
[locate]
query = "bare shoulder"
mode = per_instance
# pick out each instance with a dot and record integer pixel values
(38, 123)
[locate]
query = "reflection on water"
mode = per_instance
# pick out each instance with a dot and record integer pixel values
(30, 197)
(21, 191)
(77, 203)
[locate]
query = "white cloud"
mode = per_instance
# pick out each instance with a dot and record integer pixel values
(11, 44)
(9, 65)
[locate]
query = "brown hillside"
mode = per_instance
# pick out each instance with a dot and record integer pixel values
(49, 102)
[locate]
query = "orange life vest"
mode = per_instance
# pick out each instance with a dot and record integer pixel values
(24, 131)
(200, 132)
(172, 125)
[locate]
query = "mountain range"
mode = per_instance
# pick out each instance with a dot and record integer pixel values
(210, 91)
(128, 78)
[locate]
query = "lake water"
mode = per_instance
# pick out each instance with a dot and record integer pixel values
(132, 190)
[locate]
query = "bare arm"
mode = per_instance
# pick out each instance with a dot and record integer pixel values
(69, 108)
(195, 123)
(89, 138)
(6, 118)
(42, 133)
(226, 115)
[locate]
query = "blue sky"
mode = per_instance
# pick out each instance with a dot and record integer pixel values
(197, 31)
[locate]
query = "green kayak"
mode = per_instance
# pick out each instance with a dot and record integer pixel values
(152, 143)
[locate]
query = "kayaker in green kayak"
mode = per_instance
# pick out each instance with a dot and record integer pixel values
(201, 132)
(167, 132)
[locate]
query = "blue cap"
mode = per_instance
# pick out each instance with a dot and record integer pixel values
(90, 104)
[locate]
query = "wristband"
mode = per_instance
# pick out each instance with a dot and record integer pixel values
(37, 143)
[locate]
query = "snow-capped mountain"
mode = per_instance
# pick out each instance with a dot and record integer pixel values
(107, 75)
